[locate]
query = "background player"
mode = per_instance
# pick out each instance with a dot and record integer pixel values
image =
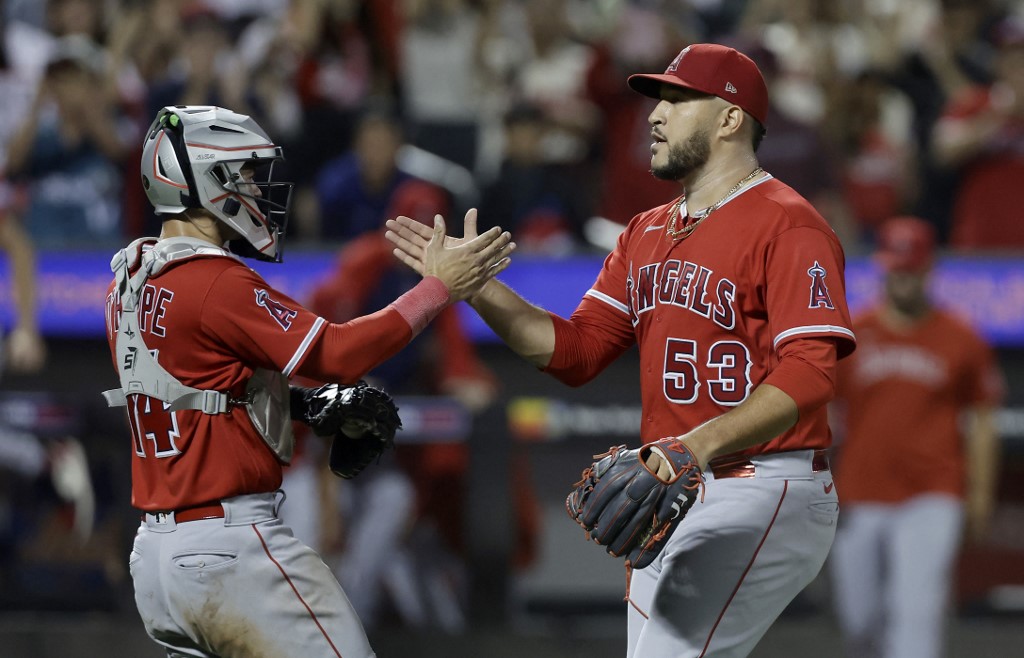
(27, 459)
(734, 294)
(410, 560)
(216, 573)
(23, 350)
(909, 476)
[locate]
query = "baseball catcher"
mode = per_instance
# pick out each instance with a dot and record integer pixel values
(361, 419)
(631, 509)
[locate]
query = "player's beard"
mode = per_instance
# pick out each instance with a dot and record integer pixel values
(685, 158)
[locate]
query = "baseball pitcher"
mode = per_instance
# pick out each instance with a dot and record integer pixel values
(734, 295)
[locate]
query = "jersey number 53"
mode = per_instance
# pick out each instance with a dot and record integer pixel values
(724, 367)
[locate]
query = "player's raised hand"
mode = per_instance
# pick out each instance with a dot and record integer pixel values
(463, 264)
(410, 236)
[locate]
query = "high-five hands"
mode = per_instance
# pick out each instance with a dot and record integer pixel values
(464, 264)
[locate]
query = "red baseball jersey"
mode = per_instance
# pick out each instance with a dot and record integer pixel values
(904, 394)
(211, 321)
(710, 312)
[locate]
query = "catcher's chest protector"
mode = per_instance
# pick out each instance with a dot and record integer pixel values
(266, 392)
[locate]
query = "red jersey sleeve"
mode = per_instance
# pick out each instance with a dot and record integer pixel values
(806, 288)
(806, 372)
(264, 326)
(983, 382)
(600, 329)
(271, 330)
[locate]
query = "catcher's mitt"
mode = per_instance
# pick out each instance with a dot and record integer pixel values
(628, 509)
(362, 419)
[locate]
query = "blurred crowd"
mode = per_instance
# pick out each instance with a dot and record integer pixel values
(518, 107)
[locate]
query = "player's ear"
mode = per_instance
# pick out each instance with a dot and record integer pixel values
(732, 119)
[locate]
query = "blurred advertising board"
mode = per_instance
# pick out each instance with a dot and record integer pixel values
(72, 287)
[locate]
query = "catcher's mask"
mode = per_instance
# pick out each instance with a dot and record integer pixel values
(200, 156)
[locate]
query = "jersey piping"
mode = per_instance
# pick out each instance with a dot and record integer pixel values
(611, 301)
(812, 329)
(304, 346)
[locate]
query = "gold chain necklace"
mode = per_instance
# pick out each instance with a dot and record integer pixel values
(687, 229)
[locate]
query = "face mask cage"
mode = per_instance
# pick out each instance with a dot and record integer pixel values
(249, 186)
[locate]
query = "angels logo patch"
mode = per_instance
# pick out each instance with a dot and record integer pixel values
(819, 291)
(675, 62)
(277, 310)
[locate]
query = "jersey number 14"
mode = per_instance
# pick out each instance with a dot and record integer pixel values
(146, 413)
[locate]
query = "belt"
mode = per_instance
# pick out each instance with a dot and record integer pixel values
(198, 513)
(742, 467)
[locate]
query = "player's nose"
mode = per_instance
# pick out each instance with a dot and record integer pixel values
(657, 115)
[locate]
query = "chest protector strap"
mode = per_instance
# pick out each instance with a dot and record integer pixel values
(266, 392)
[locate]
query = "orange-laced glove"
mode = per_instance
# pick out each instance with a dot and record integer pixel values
(627, 508)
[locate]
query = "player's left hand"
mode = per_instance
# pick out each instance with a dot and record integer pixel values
(362, 420)
(623, 505)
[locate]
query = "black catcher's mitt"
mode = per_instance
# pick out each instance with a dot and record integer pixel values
(628, 509)
(362, 419)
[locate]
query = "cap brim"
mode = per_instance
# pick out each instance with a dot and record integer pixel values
(649, 84)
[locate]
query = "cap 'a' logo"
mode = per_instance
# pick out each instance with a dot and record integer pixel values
(819, 291)
(730, 88)
(675, 62)
(281, 313)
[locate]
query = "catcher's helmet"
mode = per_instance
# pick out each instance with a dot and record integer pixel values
(194, 156)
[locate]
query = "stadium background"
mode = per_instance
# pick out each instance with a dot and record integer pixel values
(58, 598)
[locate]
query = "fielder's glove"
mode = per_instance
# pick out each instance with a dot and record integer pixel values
(628, 509)
(361, 419)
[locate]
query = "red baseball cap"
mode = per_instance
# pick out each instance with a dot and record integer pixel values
(712, 69)
(906, 244)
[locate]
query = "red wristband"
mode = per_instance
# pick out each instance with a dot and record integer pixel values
(422, 304)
